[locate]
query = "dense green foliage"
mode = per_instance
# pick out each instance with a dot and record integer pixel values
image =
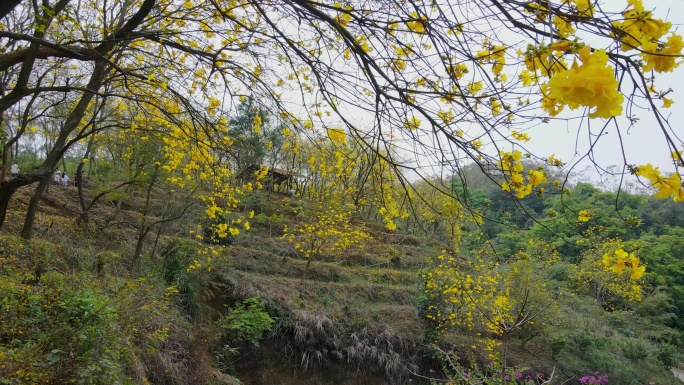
(247, 321)
(631, 341)
(653, 226)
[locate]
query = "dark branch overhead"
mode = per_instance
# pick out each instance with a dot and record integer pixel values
(6, 6)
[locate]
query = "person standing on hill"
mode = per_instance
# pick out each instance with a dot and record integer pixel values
(65, 179)
(14, 170)
(57, 178)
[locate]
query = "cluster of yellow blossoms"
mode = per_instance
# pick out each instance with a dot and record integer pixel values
(543, 60)
(640, 30)
(612, 275)
(591, 84)
(337, 136)
(638, 26)
(476, 297)
(661, 57)
(513, 169)
(417, 24)
(496, 55)
(412, 124)
(670, 186)
(327, 232)
(620, 260)
(585, 215)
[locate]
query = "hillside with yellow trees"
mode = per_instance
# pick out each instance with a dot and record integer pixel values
(352, 192)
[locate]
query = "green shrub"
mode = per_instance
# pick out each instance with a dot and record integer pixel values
(634, 349)
(160, 343)
(557, 344)
(668, 355)
(247, 321)
(256, 202)
(57, 331)
(560, 271)
(582, 341)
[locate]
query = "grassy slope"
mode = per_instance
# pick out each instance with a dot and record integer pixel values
(348, 321)
(340, 320)
(351, 320)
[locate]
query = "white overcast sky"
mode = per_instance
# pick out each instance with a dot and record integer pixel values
(643, 143)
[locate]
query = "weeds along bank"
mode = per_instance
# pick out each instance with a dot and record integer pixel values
(63, 321)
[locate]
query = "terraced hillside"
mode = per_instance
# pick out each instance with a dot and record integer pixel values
(350, 320)
(78, 305)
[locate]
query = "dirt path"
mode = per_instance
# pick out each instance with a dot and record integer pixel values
(678, 373)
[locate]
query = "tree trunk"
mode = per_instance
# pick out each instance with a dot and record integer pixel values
(10, 186)
(83, 218)
(503, 358)
(7, 6)
(156, 242)
(6, 154)
(27, 230)
(138, 248)
(60, 146)
(144, 228)
(6, 192)
(120, 36)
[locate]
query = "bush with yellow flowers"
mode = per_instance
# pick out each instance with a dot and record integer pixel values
(326, 232)
(609, 272)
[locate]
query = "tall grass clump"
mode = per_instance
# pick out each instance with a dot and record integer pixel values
(177, 255)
